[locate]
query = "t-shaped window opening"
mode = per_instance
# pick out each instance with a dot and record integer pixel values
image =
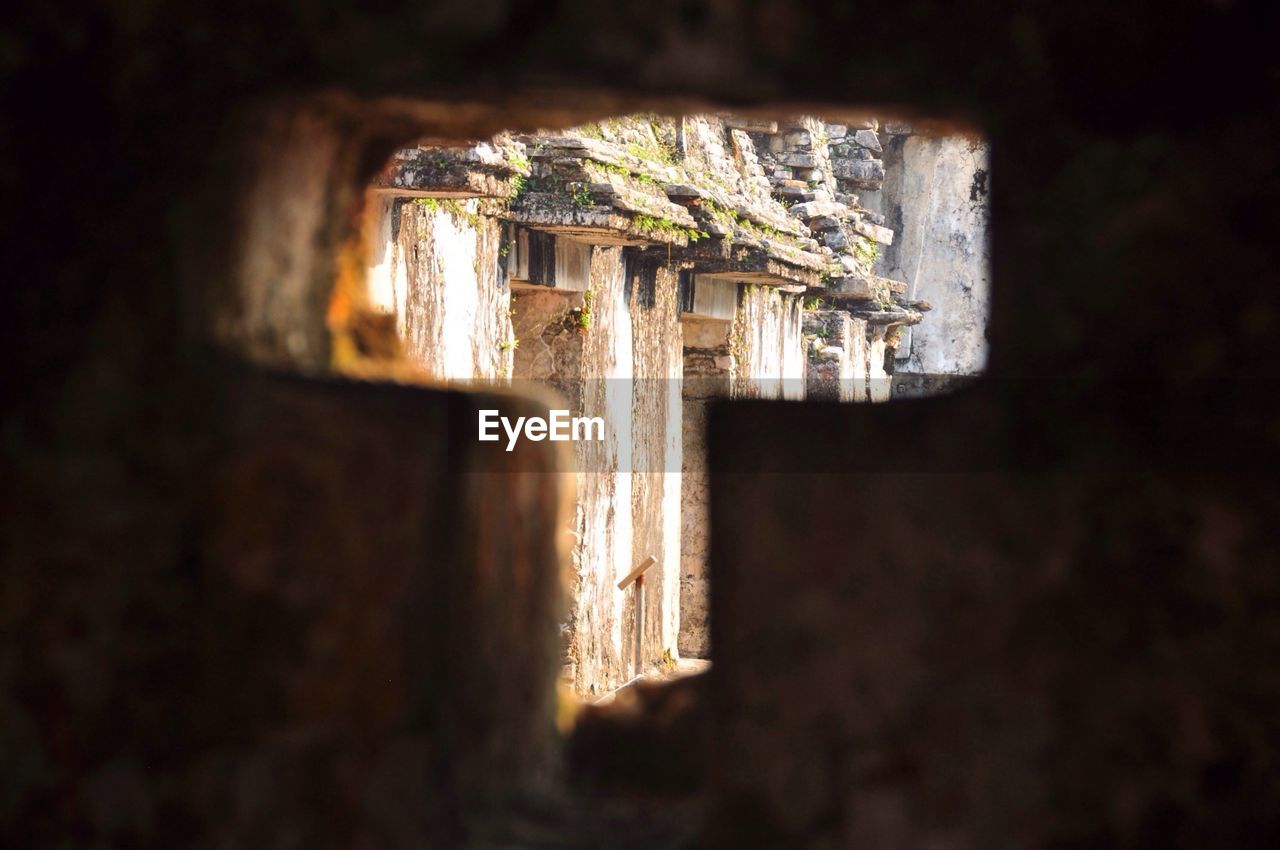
(617, 277)
(642, 266)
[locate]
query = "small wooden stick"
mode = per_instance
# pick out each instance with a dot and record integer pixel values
(637, 572)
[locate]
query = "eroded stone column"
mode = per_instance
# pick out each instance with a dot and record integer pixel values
(434, 266)
(837, 359)
(708, 375)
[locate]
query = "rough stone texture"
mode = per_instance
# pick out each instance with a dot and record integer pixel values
(657, 441)
(487, 169)
(1128, 538)
(758, 354)
(550, 347)
(601, 640)
(909, 385)
(767, 345)
(707, 375)
(879, 381)
(935, 198)
(624, 366)
(435, 268)
(836, 345)
(695, 525)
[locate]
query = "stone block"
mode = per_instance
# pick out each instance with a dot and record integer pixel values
(868, 139)
(790, 191)
(750, 125)
(865, 174)
(880, 234)
(799, 160)
(815, 209)
(798, 139)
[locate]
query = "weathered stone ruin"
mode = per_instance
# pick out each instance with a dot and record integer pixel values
(935, 197)
(643, 267)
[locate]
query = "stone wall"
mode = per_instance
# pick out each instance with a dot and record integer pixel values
(767, 344)
(934, 197)
(836, 345)
(708, 375)
(1075, 653)
(656, 438)
(759, 353)
(601, 639)
(434, 266)
(614, 351)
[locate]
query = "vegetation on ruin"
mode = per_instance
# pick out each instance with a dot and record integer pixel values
(735, 221)
(729, 218)
(881, 296)
(581, 195)
(452, 207)
(657, 151)
(654, 226)
(582, 316)
(738, 345)
(866, 250)
(638, 135)
(618, 170)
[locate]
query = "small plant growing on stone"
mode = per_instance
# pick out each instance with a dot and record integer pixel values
(519, 185)
(581, 196)
(867, 251)
(652, 226)
(582, 316)
(508, 345)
